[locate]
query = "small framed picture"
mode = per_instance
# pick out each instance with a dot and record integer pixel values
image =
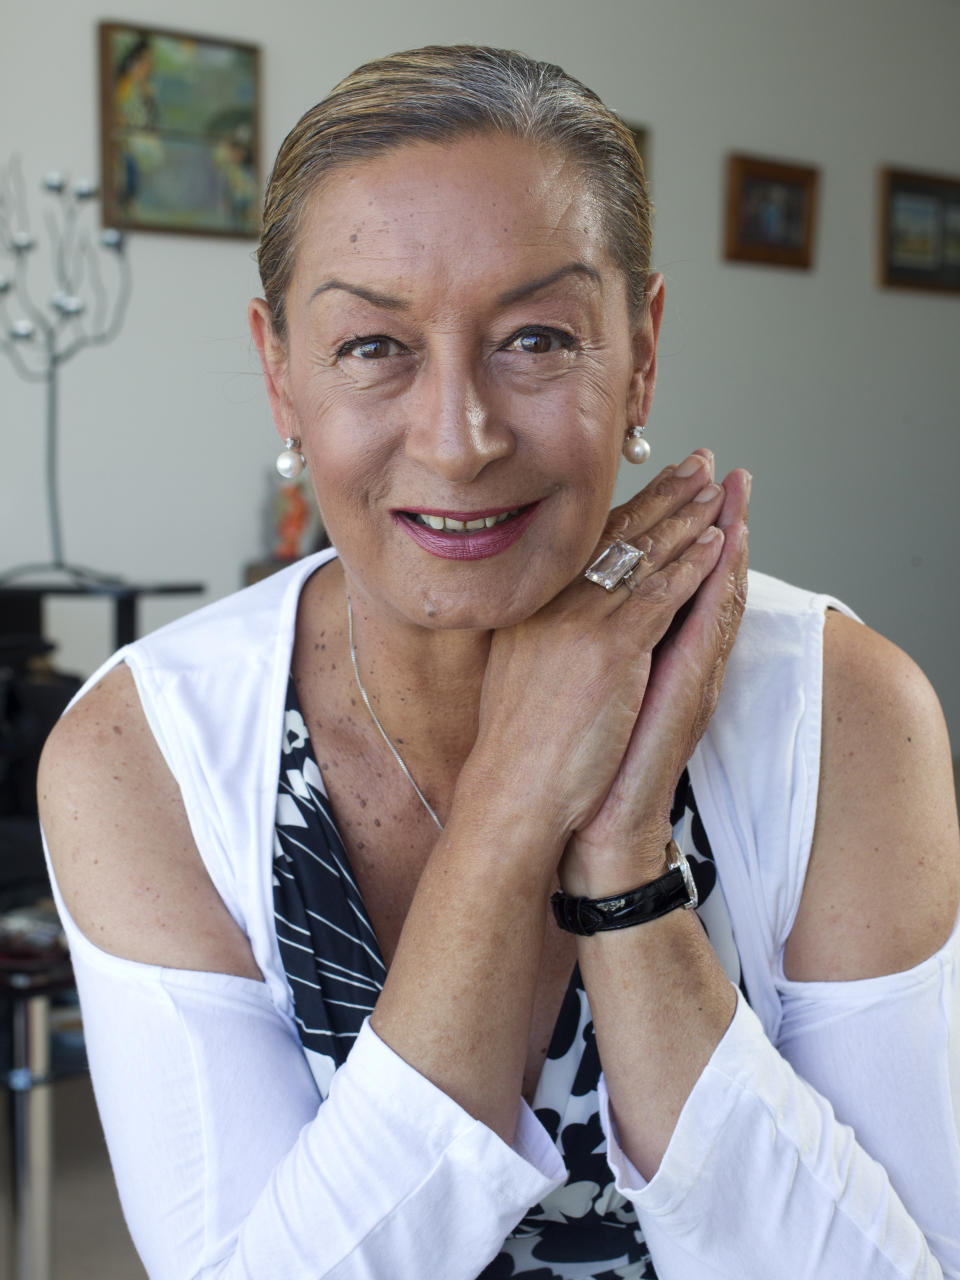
(179, 131)
(919, 231)
(641, 138)
(771, 212)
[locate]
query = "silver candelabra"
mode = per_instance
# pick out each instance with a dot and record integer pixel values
(82, 312)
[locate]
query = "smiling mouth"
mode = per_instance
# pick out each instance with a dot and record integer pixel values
(448, 524)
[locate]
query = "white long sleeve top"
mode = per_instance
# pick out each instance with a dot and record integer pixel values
(820, 1141)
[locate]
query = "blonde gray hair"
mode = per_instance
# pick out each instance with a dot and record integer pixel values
(441, 93)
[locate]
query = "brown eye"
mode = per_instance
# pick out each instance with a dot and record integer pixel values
(375, 347)
(538, 342)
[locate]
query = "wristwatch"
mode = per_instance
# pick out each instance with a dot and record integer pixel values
(587, 916)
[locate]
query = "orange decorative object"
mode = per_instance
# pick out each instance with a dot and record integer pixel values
(293, 516)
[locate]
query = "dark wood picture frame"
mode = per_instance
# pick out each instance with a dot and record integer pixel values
(641, 137)
(919, 237)
(179, 131)
(771, 212)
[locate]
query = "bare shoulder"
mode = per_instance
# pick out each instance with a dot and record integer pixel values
(883, 883)
(121, 846)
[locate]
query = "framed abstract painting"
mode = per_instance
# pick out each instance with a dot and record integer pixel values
(180, 132)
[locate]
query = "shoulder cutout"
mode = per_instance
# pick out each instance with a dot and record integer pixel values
(883, 882)
(120, 843)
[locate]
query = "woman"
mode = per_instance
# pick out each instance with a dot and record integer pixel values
(459, 336)
(136, 117)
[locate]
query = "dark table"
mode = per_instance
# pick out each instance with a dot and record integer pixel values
(29, 596)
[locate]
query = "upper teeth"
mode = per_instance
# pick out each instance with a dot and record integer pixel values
(464, 526)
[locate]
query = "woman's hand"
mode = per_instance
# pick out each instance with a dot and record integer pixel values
(563, 690)
(622, 844)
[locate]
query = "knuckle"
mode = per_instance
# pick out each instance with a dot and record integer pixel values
(646, 545)
(722, 639)
(667, 482)
(684, 572)
(645, 508)
(735, 604)
(671, 583)
(739, 595)
(710, 691)
(657, 590)
(619, 523)
(677, 527)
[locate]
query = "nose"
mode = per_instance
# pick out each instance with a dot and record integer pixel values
(454, 428)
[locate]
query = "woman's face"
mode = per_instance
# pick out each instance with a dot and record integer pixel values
(459, 350)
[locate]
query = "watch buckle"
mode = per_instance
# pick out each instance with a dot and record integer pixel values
(677, 861)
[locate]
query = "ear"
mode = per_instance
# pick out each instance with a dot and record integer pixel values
(273, 360)
(645, 338)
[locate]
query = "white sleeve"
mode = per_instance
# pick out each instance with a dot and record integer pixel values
(765, 1179)
(229, 1165)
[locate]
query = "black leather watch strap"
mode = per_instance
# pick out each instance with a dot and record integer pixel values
(587, 916)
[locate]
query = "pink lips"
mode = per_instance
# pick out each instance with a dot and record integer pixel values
(478, 544)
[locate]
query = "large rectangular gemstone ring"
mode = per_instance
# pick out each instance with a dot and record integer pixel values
(613, 565)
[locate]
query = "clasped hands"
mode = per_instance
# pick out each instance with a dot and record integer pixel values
(603, 696)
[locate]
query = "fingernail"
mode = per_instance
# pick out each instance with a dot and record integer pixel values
(708, 535)
(749, 484)
(690, 466)
(708, 493)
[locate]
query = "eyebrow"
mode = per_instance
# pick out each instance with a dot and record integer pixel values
(390, 303)
(368, 295)
(525, 290)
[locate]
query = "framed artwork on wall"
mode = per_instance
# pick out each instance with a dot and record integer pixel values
(771, 212)
(179, 132)
(641, 136)
(919, 231)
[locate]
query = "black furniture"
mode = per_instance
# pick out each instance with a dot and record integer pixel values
(24, 601)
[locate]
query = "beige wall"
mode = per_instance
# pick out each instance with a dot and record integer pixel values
(841, 398)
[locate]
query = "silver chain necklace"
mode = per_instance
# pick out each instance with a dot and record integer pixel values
(383, 733)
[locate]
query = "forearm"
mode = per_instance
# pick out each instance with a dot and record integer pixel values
(229, 1164)
(762, 1182)
(458, 999)
(738, 1167)
(661, 1004)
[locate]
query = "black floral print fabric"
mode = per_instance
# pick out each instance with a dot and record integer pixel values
(585, 1230)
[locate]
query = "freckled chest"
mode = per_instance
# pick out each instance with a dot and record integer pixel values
(387, 833)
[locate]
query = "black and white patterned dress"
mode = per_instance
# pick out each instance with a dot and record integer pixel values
(584, 1230)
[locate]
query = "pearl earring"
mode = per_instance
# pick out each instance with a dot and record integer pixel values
(635, 448)
(291, 461)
